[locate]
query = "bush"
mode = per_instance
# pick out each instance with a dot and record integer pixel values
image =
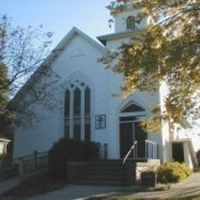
(70, 150)
(4, 156)
(173, 172)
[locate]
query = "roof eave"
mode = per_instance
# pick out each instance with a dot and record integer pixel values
(54, 53)
(104, 38)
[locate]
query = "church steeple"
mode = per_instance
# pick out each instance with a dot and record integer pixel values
(126, 24)
(125, 19)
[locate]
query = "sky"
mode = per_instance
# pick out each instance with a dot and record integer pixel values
(59, 16)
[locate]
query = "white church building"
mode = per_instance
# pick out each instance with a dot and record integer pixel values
(92, 107)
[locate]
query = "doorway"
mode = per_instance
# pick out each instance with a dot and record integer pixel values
(129, 133)
(178, 152)
(130, 129)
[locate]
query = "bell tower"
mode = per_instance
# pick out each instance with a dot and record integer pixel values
(126, 24)
(125, 20)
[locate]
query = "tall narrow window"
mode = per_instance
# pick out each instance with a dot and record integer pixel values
(130, 23)
(67, 113)
(87, 101)
(87, 115)
(78, 111)
(77, 102)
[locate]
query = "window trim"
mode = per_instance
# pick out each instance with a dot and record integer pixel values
(82, 86)
(130, 24)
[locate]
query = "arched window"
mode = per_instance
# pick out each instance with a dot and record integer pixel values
(132, 108)
(130, 23)
(78, 111)
(131, 112)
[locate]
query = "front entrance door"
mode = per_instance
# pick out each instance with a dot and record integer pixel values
(178, 152)
(140, 137)
(129, 133)
(126, 138)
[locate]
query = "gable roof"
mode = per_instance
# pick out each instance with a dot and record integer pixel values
(129, 33)
(75, 31)
(54, 54)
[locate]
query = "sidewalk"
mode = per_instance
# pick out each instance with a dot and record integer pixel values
(188, 187)
(8, 184)
(78, 192)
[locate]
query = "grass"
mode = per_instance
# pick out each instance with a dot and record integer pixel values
(131, 198)
(138, 188)
(39, 184)
(126, 192)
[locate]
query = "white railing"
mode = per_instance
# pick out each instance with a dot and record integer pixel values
(151, 149)
(132, 149)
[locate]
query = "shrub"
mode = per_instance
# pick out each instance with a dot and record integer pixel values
(173, 172)
(70, 150)
(4, 156)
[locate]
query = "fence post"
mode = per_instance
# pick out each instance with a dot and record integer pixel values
(99, 149)
(146, 149)
(21, 169)
(35, 159)
(157, 151)
(105, 151)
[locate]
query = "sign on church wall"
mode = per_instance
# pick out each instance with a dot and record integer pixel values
(100, 121)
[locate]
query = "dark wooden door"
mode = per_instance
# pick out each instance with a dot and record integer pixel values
(178, 152)
(140, 137)
(126, 138)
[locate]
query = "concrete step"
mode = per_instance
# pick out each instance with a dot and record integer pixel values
(98, 182)
(103, 177)
(105, 172)
(106, 168)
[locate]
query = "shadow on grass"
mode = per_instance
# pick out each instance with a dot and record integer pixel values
(38, 184)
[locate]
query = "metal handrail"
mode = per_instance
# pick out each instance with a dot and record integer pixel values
(154, 145)
(129, 152)
(148, 141)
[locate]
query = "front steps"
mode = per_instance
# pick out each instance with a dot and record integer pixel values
(112, 172)
(104, 172)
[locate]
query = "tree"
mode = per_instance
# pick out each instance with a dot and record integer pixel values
(168, 49)
(22, 55)
(4, 93)
(3, 85)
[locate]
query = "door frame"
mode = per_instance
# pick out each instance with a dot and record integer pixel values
(139, 115)
(182, 151)
(140, 119)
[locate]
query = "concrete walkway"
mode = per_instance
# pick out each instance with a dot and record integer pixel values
(78, 192)
(8, 184)
(188, 187)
